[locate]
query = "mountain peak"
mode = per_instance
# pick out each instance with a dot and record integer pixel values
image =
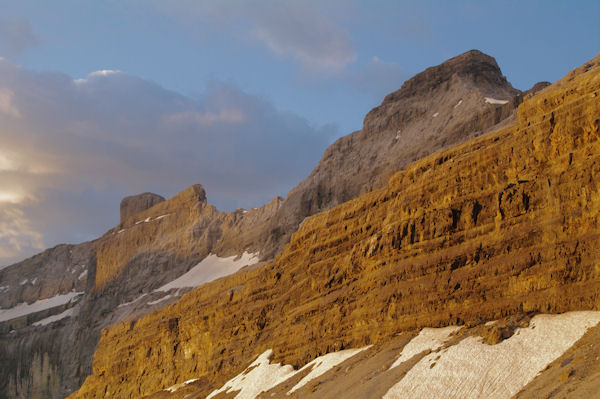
(472, 66)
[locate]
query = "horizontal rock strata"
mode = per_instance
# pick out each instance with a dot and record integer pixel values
(504, 224)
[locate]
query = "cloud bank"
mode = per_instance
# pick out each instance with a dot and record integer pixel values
(72, 148)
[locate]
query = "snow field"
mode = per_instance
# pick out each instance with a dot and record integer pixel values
(428, 339)
(211, 268)
(23, 309)
(472, 369)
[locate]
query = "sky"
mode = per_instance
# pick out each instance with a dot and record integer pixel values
(104, 99)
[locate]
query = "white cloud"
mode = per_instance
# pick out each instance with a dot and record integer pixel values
(96, 74)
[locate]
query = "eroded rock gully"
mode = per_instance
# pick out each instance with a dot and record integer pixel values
(503, 224)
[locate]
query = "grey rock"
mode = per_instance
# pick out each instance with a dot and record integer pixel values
(132, 205)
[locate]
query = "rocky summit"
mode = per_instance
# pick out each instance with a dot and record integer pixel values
(447, 249)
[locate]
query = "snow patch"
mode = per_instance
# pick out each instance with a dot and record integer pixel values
(460, 102)
(177, 386)
(260, 376)
(491, 100)
(82, 275)
(4, 288)
(428, 339)
(132, 302)
(436, 114)
(34, 281)
(52, 319)
(472, 369)
(211, 268)
(323, 364)
(23, 309)
(164, 298)
(24, 282)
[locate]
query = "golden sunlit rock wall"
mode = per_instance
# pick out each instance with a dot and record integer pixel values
(507, 223)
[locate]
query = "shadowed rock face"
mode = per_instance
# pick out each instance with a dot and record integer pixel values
(135, 204)
(501, 225)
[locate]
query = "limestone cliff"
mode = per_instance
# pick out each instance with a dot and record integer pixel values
(504, 224)
(439, 107)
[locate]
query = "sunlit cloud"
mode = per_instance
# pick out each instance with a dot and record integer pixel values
(17, 235)
(100, 73)
(10, 197)
(81, 145)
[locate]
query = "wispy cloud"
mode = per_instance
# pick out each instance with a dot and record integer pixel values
(80, 145)
(305, 33)
(16, 35)
(297, 30)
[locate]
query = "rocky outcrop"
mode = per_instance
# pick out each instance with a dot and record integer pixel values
(437, 108)
(500, 225)
(150, 248)
(132, 205)
(55, 271)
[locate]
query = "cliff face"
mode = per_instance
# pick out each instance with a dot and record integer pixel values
(134, 204)
(504, 224)
(439, 107)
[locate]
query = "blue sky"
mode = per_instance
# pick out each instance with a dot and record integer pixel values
(240, 96)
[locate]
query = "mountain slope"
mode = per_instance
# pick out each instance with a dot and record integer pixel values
(158, 241)
(506, 224)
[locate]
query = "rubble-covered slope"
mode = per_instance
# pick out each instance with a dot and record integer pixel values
(507, 223)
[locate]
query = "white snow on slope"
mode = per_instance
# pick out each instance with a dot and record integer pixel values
(23, 309)
(323, 364)
(491, 100)
(134, 301)
(457, 104)
(261, 376)
(164, 298)
(436, 114)
(56, 317)
(177, 386)
(210, 268)
(472, 369)
(82, 275)
(428, 338)
(258, 377)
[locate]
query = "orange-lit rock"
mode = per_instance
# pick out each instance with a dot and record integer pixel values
(506, 223)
